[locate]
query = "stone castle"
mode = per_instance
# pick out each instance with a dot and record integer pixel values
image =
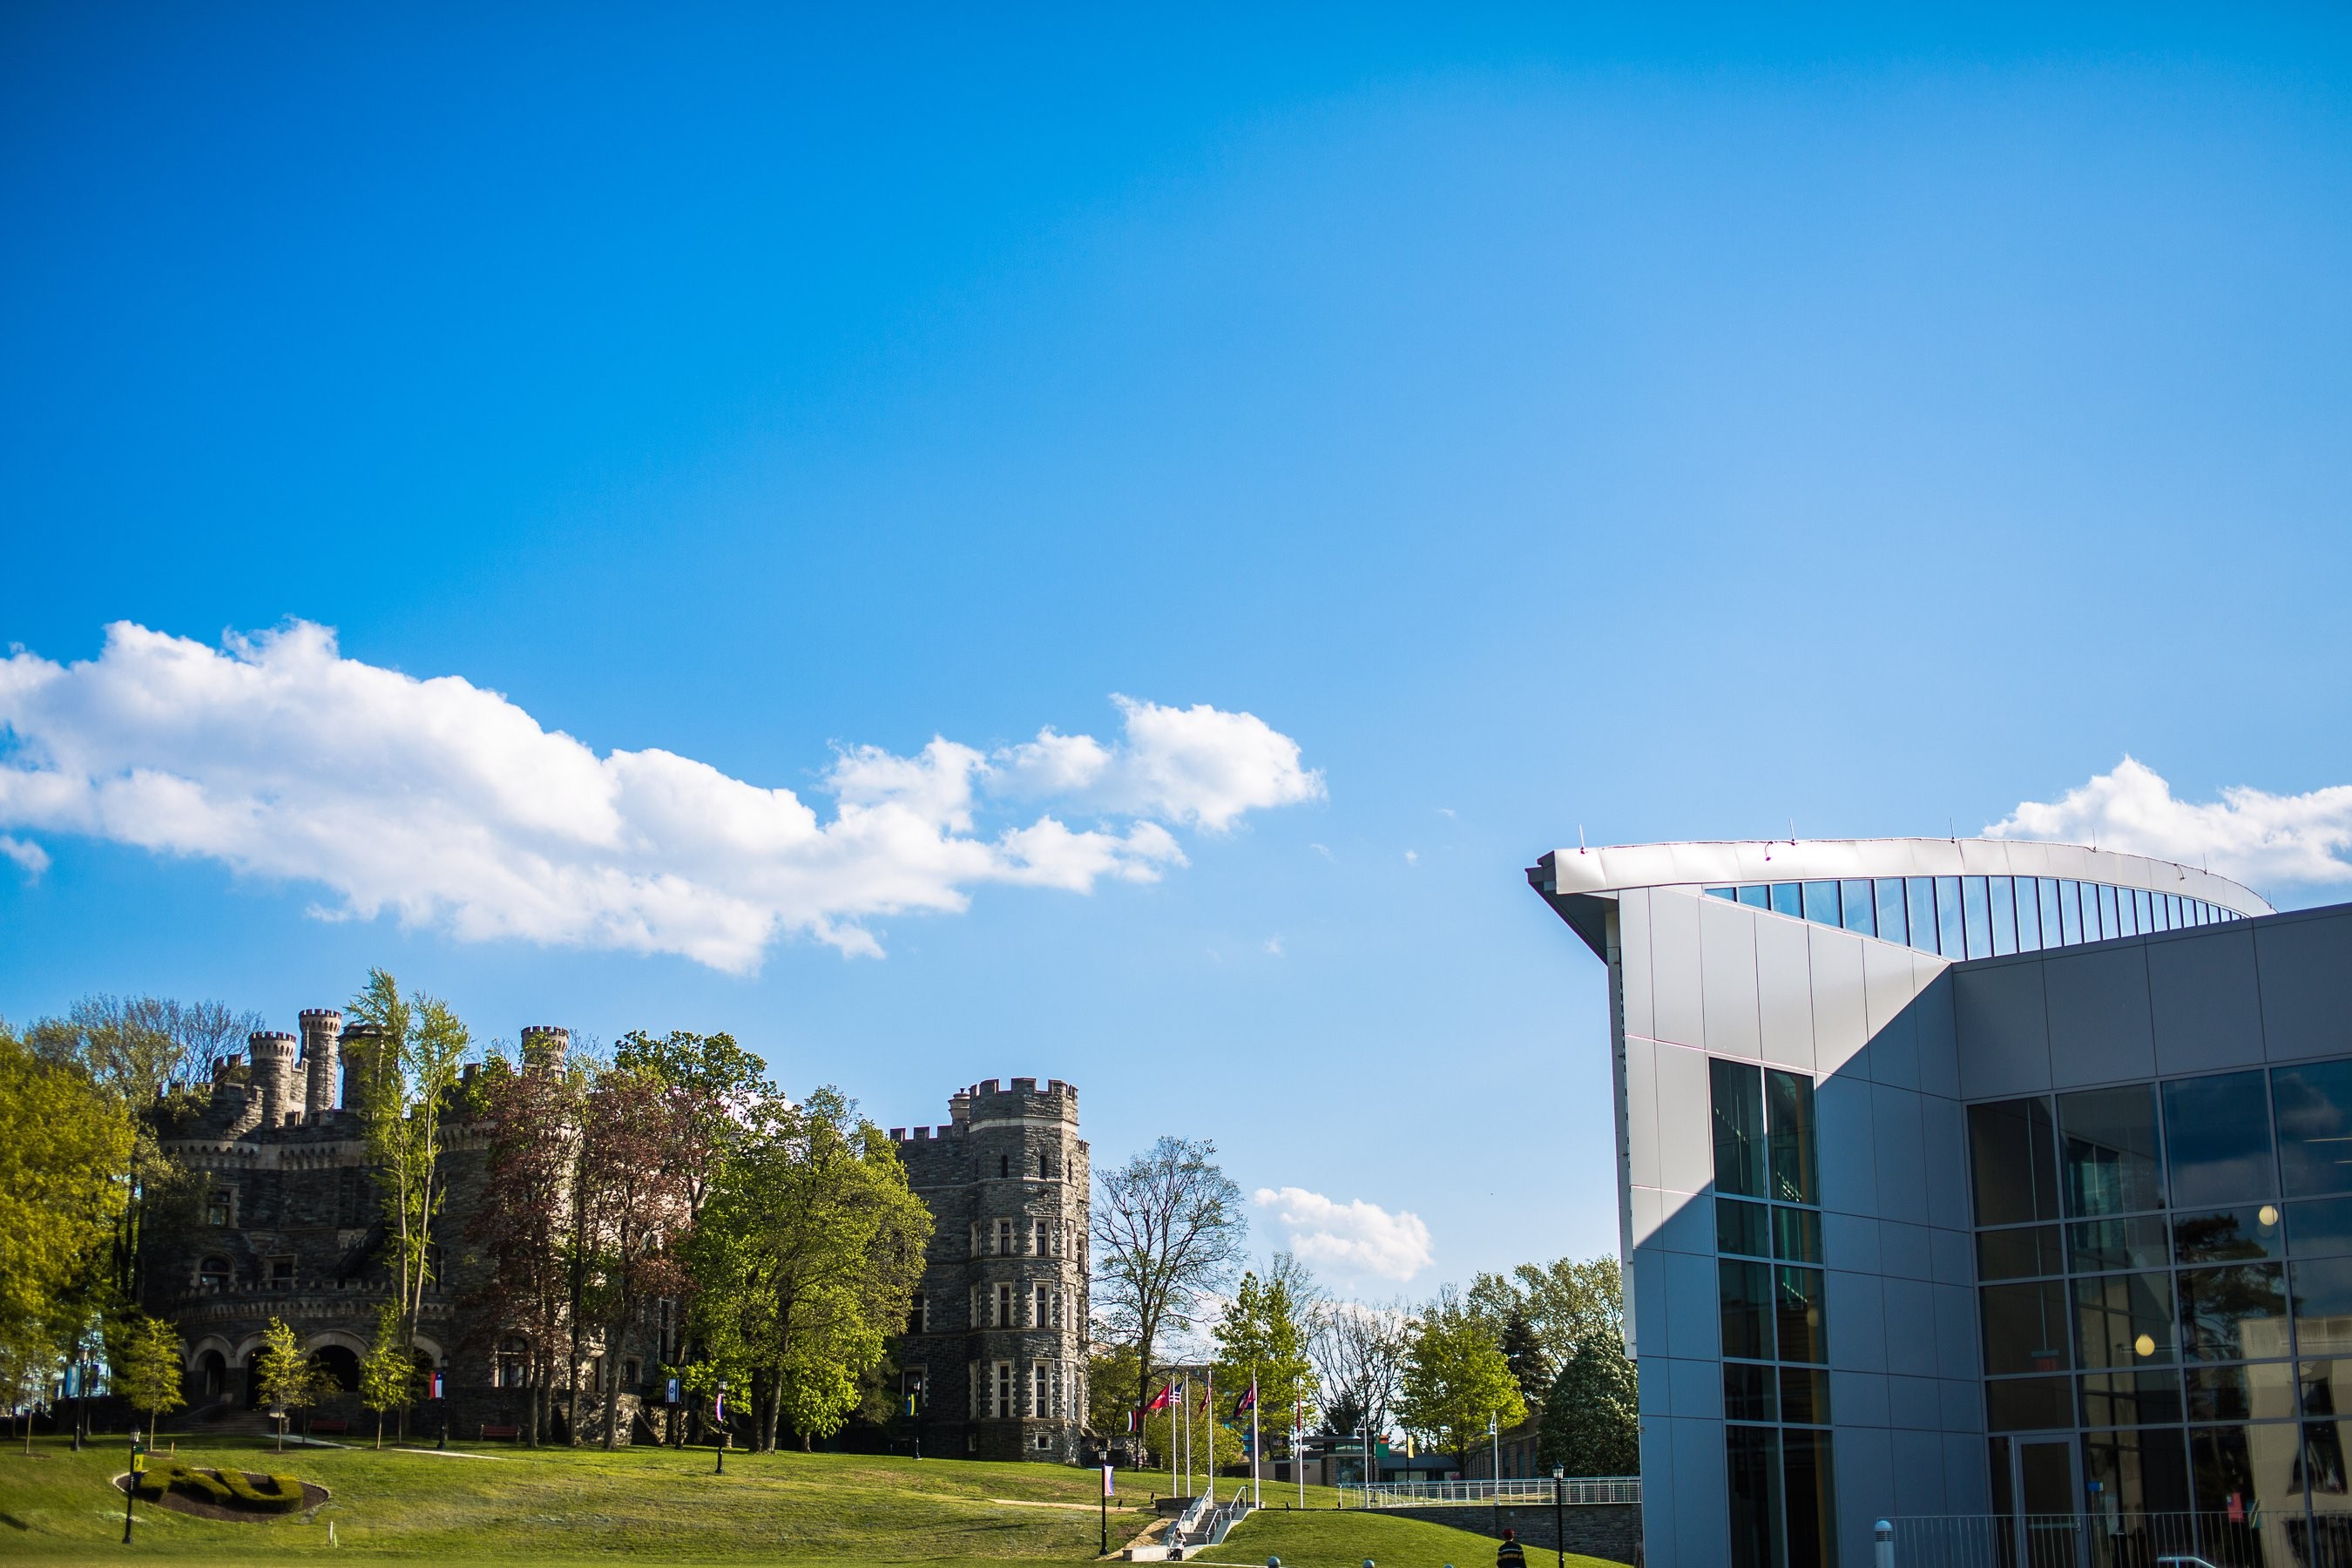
(287, 1223)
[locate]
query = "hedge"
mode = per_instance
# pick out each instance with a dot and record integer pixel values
(229, 1489)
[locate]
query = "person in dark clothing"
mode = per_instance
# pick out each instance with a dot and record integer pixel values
(1510, 1554)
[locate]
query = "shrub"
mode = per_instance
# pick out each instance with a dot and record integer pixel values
(229, 1489)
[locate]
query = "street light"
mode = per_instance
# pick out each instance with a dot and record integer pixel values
(718, 1415)
(441, 1397)
(1559, 1518)
(130, 1487)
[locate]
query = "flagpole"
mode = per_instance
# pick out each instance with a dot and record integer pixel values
(1257, 1485)
(1297, 1451)
(1185, 1411)
(1210, 1409)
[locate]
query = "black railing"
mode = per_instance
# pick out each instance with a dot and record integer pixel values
(2222, 1539)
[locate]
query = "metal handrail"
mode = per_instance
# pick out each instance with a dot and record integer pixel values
(1581, 1492)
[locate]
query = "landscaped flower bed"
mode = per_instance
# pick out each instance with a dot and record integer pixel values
(224, 1489)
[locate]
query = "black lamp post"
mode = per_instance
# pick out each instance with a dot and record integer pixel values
(718, 1415)
(441, 1398)
(130, 1486)
(1559, 1517)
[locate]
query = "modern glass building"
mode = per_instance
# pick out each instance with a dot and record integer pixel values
(1963, 1178)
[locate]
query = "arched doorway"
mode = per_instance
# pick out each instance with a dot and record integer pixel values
(340, 1363)
(212, 1374)
(254, 1366)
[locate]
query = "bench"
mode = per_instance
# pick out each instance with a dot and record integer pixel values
(335, 1428)
(511, 1433)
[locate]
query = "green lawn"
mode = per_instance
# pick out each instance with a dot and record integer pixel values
(643, 1507)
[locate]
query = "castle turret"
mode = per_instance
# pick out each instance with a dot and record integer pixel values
(273, 1075)
(358, 1046)
(322, 1049)
(543, 1046)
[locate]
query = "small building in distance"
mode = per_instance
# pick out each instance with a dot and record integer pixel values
(994, 1360)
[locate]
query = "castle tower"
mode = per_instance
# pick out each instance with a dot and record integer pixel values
(358, 1045)
(273, 1075)
(323, 1037)
(543, 1046)
(995, 1353)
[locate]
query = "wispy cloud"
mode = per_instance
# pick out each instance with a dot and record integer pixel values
(1357, 1237)
(31, 857)
(2252, 837)
(450, 806)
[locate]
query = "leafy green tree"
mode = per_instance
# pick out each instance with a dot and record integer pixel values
(150, 1365)
(64, 1145)
(1168, 1229)
(1263, 1337)
(1591, 1419)
(808, 1254)
(1565, 1301)
(286, 1379)
(30, 1360)
(633, 1202)
(1456, 1379)
(387, 1374)
(1531, 1368)
(408, 1063)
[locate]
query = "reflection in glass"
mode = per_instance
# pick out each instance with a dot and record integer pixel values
(1919, 910)
(2109, 1150)
(2046, 895)
(2218, 1139)
(1977, 933)
(1800, 1310)
(1810, 1500)
(1756, 896)
(2012, 1162)
(1753, 1480)
(1737, 1095)
(2319, 1228)
(2018, 1254)
(1742, 1228)
(1804, 1396)
(1796, 1234)
(2225, 1463)
(2323, 1306)
(2258, 1391)
(2110, 923)
(1788, 1113)
(2314, 1128)
(2004, 916)
(1892, 926)
(2131, 1398)
(1745, 1290)
(2138, 1472)
(2028, 1403)
(1854, 899)
(1948, 917)
(2233, 1314)
(2100, 1244)
(1749, 1393)
(2247, 1234)
(1821, 904)
(2028, 916)
(2024, 1327)
(1785, 900)
(2070, 912)
(2123, 1320)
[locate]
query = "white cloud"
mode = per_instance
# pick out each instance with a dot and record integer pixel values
(1357, 1237)
(1197, 766)
(2249, 836)
(1274, 947)
(32, 858)
(1412, 856)
(450, 806)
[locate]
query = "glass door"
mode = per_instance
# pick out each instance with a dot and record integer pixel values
(2049, 1518)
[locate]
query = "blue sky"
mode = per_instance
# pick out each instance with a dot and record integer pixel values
(1545, 419)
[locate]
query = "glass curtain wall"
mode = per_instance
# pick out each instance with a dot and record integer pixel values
(1976, 917)
(1776, 1385)
(2166, 1276)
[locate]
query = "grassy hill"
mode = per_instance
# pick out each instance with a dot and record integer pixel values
(556, 1507)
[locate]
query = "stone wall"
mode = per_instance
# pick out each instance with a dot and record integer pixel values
(1606, 1529)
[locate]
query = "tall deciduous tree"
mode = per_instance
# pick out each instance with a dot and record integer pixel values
(1168, 1229)
(1456, 1379)
(1360, 1355)
(524, 1225)
(287, 1378)
(637, 1208)
(388, 1375)
(1566, 1303)
(1263, 1338)
(410, 1070)
(807, 1254)
(1591, 1419)
(65, 1143)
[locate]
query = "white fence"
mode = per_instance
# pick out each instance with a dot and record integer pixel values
(1525, 1489)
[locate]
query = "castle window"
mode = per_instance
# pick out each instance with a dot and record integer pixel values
(214, 1271)
(1038, 1239)
(1037, 1320)
(1002, 1405)
(629, 1375)
(216, 1209)
(1004, 1164)
(1042, 1172)
(1004, 1306)
(1004, 1235)
(1041, 1403)
(915, 1315)
(281, 1274)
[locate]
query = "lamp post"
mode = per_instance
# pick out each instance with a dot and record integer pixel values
(1558, 1515)
(441, 1398)
(718, 1415)
(1495, 1435)
(130, 1489)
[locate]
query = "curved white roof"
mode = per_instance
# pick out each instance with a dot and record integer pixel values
(1609, 868)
